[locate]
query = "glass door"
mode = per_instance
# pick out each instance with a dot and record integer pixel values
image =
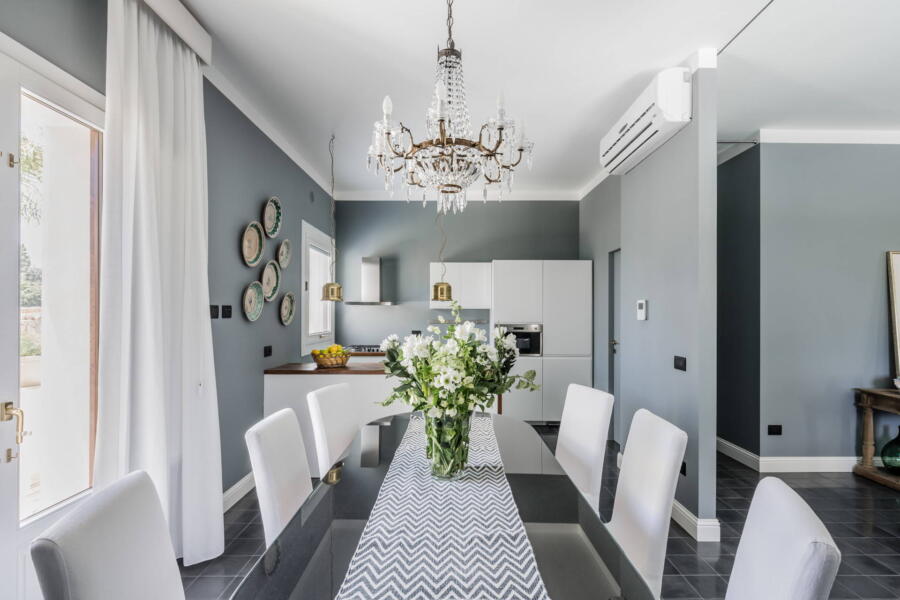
(49, 225)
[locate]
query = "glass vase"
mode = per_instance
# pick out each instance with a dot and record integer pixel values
(890, 455)
(447, 444)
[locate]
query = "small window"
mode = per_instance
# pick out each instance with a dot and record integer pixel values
(317, 315)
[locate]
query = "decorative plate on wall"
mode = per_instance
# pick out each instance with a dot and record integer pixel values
(288, 305)
(271, 280)
(284, 254)
(271, 217)
(253, 301)
(253, 242)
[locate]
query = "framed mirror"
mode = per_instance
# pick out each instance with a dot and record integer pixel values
(893, 268)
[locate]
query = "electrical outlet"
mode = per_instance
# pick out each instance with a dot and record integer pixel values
(226, 311)
(774, 429)
(213, 311)
(680, 363)
(684, 468)
(267, 350)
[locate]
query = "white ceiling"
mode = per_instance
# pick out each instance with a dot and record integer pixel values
(813, 64)
(568, 68)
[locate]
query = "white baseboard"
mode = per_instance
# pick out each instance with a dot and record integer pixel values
(702, 530)
(237, 491)
(789, 464)
(745, 457)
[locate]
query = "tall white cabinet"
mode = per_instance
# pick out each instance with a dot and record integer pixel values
(557, 294)
(471, 283)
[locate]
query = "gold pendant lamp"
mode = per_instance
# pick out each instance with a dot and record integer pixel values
(442, 291)
(332, 291)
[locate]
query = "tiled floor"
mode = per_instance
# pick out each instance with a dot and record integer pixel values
(863, 517)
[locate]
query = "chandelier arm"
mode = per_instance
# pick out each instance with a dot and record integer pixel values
(513, 165)
(390, 142)
(499, 141)
(481, 137)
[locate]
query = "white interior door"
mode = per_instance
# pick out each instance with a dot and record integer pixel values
(49, 205)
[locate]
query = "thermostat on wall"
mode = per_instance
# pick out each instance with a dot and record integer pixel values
(642, 310)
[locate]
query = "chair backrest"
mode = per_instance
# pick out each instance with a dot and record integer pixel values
(583, 432)
(116, 544)
(785, 552)
(645, 492)
(280, 469)
(335, 422)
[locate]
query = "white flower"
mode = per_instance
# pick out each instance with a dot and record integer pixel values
(434, 412)
(499, 332)
(434, 329)
(464, 331)
(390, 341)
(510, 341)
(451, 412)
(451, 346)
(442, 319)
(480, 335)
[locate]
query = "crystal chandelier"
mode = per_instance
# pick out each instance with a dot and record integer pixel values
(444, 166)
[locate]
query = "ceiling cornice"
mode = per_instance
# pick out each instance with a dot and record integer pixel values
(474, 197)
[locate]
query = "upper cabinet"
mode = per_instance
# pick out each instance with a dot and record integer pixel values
(517, 291)
(470, 283)
(567, 292)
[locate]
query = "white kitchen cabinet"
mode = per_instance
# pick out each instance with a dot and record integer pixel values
(523, 404)
(517, 291)
(558, 373)
(470, 283)
(567, 293)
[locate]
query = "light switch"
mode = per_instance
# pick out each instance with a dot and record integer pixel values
(642, 310)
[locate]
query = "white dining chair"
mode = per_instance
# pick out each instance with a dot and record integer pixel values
(785, 552)
(335, 421)
(583, 433)
(114, 545)
(280, 469)
(645, 492)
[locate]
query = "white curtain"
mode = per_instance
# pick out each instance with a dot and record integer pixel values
(157, 406)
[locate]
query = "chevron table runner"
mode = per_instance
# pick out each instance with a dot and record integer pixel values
(428, 539)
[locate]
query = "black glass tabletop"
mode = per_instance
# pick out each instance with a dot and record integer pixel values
(576, 556)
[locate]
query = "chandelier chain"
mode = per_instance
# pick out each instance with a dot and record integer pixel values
(439, 221)
(449, 23)
(333, 221)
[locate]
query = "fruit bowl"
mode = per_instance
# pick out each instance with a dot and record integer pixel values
(332, 357)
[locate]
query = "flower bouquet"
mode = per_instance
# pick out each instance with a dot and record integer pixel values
(447, 376)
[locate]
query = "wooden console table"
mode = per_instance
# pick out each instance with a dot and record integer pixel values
(870, 400)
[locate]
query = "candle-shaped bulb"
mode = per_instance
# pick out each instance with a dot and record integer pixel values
(501, 105)
(440, 93)
(387, 107)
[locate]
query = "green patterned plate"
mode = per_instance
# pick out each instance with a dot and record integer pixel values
(253, 301)
(271, 217)
(288, 305)
(284, 254)
(271, 280)
(253, 242)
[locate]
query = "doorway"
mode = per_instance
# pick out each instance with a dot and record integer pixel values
(50, 179)
(615, 332)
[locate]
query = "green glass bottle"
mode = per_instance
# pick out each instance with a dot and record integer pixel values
(890, 455)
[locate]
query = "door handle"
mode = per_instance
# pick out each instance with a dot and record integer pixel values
(613, 345)
(7, 413)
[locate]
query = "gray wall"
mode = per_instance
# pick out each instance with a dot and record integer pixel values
(69, 33)
(599, 226)
(738, 302)
(669, 257)
(407, 239)
(245, 168)
(828, 214)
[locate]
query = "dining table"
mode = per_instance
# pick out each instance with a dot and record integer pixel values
(511, 526)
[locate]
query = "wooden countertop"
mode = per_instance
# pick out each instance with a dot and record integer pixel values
(366, 368)
(366, 353)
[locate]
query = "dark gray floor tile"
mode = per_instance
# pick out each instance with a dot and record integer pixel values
(692, 565)
(244, 547)
(864, 587)
(208, 588)
(711, 587)
(676, 546)
(866, 565)
(225, 566)
(676, 586)
(889, 582)
(841, 592)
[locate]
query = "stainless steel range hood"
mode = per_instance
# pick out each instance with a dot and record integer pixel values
(371, 283)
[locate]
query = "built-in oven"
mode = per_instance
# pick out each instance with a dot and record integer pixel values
(528, 337)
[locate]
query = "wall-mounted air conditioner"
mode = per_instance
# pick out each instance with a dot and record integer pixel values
(658, 113)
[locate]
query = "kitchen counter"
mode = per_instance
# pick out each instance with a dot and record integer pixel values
(352, 368)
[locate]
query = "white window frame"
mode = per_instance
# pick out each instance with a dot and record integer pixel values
(311, 236)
